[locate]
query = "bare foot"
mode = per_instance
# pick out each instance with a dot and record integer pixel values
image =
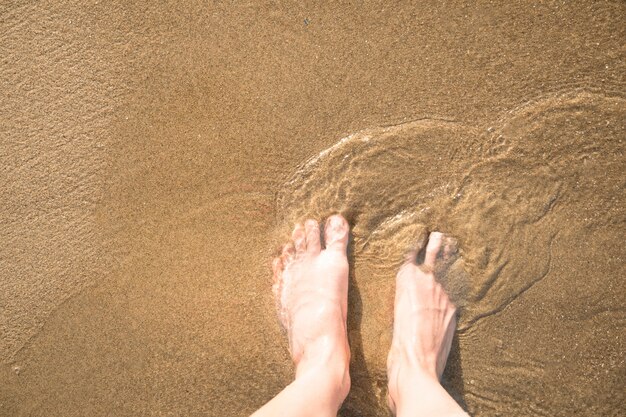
(424, 323)
(311, 289)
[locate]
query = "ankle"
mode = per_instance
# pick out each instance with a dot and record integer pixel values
(421, 393)
(405, 380)
(330, 363)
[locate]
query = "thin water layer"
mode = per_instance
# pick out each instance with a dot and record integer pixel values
(504, 191)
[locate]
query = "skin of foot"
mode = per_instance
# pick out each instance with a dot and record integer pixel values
(424, 324)
(311, 290)
(311, 286)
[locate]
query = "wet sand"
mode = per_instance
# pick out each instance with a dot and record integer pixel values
(153, 157)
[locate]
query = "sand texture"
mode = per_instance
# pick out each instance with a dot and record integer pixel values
(153, 156)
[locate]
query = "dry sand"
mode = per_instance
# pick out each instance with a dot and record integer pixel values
(153, 156)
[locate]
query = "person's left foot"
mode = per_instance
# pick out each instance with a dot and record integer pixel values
(311, 289)
(424, 320)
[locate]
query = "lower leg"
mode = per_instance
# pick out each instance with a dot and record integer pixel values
(422, 395)
(319, 389)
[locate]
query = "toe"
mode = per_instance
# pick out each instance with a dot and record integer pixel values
(299, 239)
(312, 231)
(432, 249)
(450, 248)
(336, 233)
(277, 268)
(289, 252)
(412, 256)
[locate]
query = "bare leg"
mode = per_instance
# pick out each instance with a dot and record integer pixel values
(424, 323)
(311, 287)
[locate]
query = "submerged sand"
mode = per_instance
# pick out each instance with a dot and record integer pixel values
(154, 156)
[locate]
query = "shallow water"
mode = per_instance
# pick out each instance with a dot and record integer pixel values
(496, 189)
(504, 191)
(154, 157)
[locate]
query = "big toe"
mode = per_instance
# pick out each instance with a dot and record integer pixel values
(432, 248)
(336, 233)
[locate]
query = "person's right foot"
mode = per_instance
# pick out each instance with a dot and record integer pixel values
(424, 319)
(311, 289)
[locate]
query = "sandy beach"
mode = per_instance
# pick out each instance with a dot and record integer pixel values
(155, 155)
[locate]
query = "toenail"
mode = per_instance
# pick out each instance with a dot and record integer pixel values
(336, 222)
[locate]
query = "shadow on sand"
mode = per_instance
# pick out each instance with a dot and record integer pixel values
(361, 396)
(452, 379)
